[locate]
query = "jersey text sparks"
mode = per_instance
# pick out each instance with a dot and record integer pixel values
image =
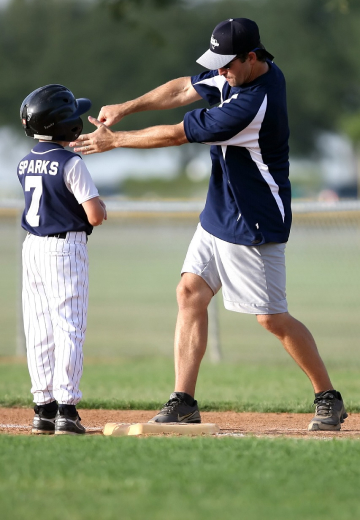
(38, 167)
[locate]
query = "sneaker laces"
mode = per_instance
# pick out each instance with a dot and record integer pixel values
(172, 403)
(324, 404)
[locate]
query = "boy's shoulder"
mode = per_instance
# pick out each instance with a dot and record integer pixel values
(45, 155)
(42, 149)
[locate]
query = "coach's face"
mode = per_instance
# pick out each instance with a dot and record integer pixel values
(238, 73)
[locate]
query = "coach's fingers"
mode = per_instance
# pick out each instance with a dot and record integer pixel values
(99, 141)
(105, 117)
(110, 115)
(95, 121)
(85, 146)
(84, 140)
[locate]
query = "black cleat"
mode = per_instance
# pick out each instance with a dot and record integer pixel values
(67, 421)
(330, 412)
(44, 420)
(176, 410)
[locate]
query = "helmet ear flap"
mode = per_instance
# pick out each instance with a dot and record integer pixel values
(73, 132)
(23, 118)
(77, 129)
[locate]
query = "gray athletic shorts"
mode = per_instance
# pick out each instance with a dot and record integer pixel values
(252, 278)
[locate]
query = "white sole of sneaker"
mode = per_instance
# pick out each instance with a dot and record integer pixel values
(69, 433)
(319, 426)
(316, 427)
(41, 432)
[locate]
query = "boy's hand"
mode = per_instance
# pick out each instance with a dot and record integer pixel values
(102, 203)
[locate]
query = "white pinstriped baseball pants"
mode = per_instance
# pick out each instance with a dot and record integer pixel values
(55, 301)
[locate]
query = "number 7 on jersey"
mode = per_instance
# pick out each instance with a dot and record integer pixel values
(31, 181)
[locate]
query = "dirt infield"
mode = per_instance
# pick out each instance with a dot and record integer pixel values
(17, 421)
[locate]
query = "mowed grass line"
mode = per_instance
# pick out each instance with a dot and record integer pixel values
(177, 478)
(145, 383)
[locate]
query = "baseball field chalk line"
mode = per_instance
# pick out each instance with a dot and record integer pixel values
(120, 429)
(17, 426)
(28, 427)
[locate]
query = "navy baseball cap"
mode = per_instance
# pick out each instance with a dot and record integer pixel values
(230, 38)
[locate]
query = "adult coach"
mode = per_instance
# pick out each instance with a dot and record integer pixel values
(239, 244)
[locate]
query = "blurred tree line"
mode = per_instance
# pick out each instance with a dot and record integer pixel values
(114, 50)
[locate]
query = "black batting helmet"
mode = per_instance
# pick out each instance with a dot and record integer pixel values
(53, 113)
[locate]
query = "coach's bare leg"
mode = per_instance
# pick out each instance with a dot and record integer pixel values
(299, 343)
(193, 296)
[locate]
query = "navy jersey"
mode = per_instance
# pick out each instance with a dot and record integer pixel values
(249, 196)
(49, 205)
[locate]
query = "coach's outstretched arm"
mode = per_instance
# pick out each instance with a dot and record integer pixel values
(176, 93)
(104, 139)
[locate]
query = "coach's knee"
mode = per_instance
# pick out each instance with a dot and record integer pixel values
(193, 295)
(274, 323)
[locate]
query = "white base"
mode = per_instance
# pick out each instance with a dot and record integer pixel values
(119, 429)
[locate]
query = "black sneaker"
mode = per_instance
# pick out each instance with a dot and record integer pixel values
(330, 412)
(44, 420)
(67, 421)
(177, 410)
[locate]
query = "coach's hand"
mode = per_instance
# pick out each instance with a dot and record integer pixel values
(99, 141)
(111, 114)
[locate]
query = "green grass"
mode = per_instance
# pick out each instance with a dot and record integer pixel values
(134, 270)
(145, 383)
(128, 364)
(176, 478)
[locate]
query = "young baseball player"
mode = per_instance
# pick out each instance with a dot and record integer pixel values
(62, 205)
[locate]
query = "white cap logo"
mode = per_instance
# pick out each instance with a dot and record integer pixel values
(214, 43)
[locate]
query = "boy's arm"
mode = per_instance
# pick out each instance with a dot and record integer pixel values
(79, 182)
(95, 210)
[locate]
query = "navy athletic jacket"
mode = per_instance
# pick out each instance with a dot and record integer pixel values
(49, 206)
(249, 196)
